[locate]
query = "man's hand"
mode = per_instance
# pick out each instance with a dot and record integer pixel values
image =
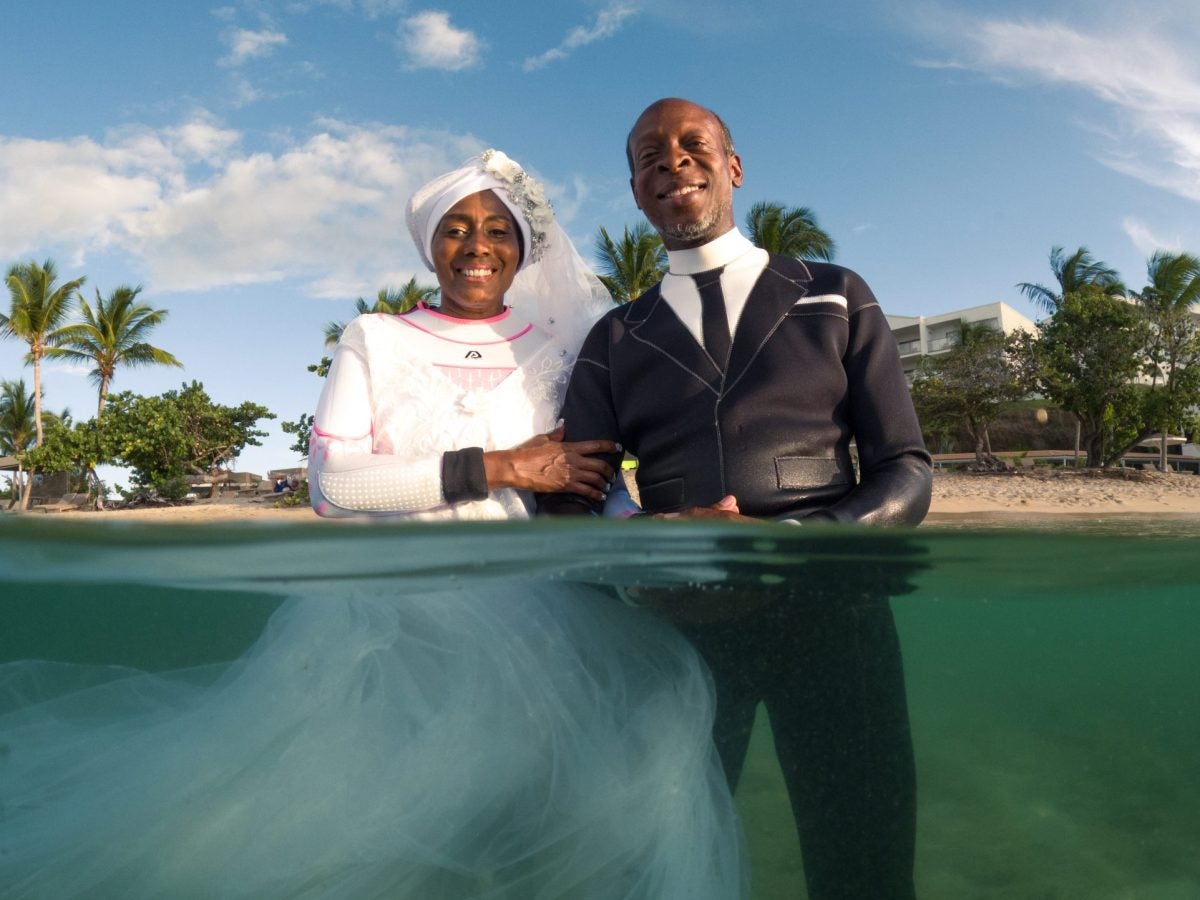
(725, 509)
(544, 463)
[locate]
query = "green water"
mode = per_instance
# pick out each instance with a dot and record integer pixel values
(1052, 676)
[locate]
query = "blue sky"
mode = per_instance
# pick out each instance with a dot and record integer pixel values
(248, 163)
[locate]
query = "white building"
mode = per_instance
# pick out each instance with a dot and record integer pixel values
(919, 336)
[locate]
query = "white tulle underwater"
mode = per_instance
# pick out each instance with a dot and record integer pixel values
(518, 741)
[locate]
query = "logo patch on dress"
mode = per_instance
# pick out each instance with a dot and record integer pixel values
(473, 354)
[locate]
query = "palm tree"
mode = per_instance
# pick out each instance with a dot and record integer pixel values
(113, 334)
(38, 309)
(1171, 291)
(1173, 284)
(1072, 273)
(387, 300)
(18, 430)
(789, 231)
(634, 264)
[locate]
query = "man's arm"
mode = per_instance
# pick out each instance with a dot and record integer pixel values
(896, 477)
(588, 414)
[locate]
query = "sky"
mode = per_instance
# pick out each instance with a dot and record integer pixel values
(248, 163)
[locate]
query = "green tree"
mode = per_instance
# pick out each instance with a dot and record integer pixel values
(387, 300)
(968, 385)
(1073, 273)
(788, 231)
(76, 448)
(38, 309)
(1173, 358)
(634, 264)
(113, 334)
(179, 433)
(18, 432)
(302, 429)
(1086, 358)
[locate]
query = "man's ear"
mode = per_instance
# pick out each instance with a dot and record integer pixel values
(735, 170)
(633, 190)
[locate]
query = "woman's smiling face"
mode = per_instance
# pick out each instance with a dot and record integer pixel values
(476, 254)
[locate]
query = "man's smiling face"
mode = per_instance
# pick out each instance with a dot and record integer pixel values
(683, 175)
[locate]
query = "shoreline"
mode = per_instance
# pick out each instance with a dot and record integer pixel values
(1055, 492)
(959, 498)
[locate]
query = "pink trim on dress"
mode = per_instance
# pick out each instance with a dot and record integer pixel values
(441, 337)
(425, 307)
(341, 437)
(506, 369)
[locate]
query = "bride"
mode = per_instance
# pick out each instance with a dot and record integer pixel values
(527, 741)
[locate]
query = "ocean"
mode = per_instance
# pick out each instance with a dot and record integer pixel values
(1052, 672)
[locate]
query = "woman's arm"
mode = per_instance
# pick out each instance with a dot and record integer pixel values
(346, 478)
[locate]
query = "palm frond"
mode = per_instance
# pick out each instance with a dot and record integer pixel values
(632, 265)
(789, 231)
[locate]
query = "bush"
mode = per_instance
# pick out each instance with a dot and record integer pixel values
(298, 497)
(1015, 429)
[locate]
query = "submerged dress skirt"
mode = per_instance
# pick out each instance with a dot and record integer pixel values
(530, 743)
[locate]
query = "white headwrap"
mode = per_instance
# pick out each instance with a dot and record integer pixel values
(553, 288)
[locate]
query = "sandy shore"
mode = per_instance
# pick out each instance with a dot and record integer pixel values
(1044, 492)
(1039, 493)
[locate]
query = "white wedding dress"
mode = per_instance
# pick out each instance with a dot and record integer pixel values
(525, 741)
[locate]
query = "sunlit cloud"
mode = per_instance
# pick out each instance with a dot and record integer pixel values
(608, 22)
(429, 41)
(1145, 241)
(1145, 72)
(192, 209)
(245, 45)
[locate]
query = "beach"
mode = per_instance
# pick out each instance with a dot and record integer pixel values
(957, 496)
(1048, 492)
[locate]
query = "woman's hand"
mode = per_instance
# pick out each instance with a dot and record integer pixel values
(545, 463)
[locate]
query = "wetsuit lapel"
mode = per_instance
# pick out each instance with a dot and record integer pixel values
(770, 300)
(653, 323)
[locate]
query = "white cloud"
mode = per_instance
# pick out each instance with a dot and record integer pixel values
(1146, 242)
(431, 42)
(1145, 72)
(376, 8)
(243, 93)
(608, 23)
(192, 210)
(201, 140)
(373, 9)
(245, 44)
(82, 193)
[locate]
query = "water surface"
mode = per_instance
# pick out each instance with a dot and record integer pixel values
(1051, 674)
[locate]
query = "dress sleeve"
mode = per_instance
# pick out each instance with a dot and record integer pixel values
(346, 478)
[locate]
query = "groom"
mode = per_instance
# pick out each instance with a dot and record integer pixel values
(739, 383)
